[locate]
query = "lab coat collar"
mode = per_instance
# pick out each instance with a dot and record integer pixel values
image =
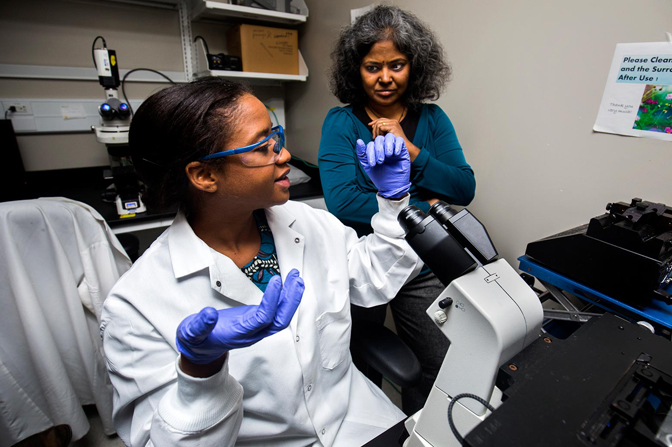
(279, 216)
(188, 253)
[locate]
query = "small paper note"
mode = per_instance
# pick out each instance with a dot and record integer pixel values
(73, 111)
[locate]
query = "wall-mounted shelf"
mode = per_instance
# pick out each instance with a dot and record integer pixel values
(249, 75)
(81, 73)
(206, 9)
(263, 78)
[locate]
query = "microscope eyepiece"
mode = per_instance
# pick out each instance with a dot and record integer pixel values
(410, 217)
(114, 109)
(468, 231)
(106, 111)
(442, 212)
(124, 111)
(435, 246)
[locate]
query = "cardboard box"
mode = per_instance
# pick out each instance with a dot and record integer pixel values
(264, 49)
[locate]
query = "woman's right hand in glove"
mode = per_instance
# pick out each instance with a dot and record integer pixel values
(387, 163)
(206, 336)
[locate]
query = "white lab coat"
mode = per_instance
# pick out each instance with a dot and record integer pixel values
(58, 261)
(295, 388)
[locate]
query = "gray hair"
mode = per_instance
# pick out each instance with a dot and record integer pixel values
(429, 69)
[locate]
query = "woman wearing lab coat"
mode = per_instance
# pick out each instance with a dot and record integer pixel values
(234, 326)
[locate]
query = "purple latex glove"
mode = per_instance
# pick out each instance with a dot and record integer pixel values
(387, 163)
(204, 337)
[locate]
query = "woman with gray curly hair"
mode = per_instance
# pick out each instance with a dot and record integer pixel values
(384, 67)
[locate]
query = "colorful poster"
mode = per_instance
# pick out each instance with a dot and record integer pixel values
(637, 99)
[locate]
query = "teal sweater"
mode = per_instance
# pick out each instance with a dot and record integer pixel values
(439, 171)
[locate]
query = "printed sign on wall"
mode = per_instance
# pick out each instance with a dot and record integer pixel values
(637, 99)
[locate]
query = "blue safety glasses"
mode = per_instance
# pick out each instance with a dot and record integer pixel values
(263, 153)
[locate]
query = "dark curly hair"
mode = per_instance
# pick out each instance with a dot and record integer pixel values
(176, 126)
(429, 69)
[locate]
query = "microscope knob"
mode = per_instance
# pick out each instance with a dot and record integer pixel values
(446, 302)
(440, 317)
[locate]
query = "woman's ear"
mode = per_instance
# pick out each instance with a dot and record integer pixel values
(202, 176)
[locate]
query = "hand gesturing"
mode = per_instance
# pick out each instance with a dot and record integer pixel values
(209, 334)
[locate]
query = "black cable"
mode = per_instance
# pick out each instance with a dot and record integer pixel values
(93, 47)
(123, 80)
(294, 157)
(459, 438)
(11, 109)
(207, 51)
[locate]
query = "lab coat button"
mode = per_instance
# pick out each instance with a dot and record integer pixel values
(297, 240)
(219, 284)
(310, 387)
(324, 430)
(297, 338)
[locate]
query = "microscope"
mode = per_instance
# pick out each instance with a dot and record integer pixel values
(487, 311)
(113, 133)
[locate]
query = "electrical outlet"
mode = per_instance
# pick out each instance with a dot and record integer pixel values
(21, 107)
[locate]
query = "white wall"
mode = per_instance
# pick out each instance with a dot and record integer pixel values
(308, 103)
(527, 83)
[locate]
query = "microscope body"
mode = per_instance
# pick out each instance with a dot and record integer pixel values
(494, 315)
(489, 314)
(115, 122)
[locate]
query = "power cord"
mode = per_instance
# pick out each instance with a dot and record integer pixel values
(277, 122)
(207, 51)
(294, 157)
(392, 385)
(11, 109)
(123, 80)
(93, 47)
(482, 401)
(272, 110)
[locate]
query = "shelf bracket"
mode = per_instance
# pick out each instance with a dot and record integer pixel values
(188, 54)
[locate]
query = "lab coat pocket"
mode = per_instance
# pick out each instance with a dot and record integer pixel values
(334, 335)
